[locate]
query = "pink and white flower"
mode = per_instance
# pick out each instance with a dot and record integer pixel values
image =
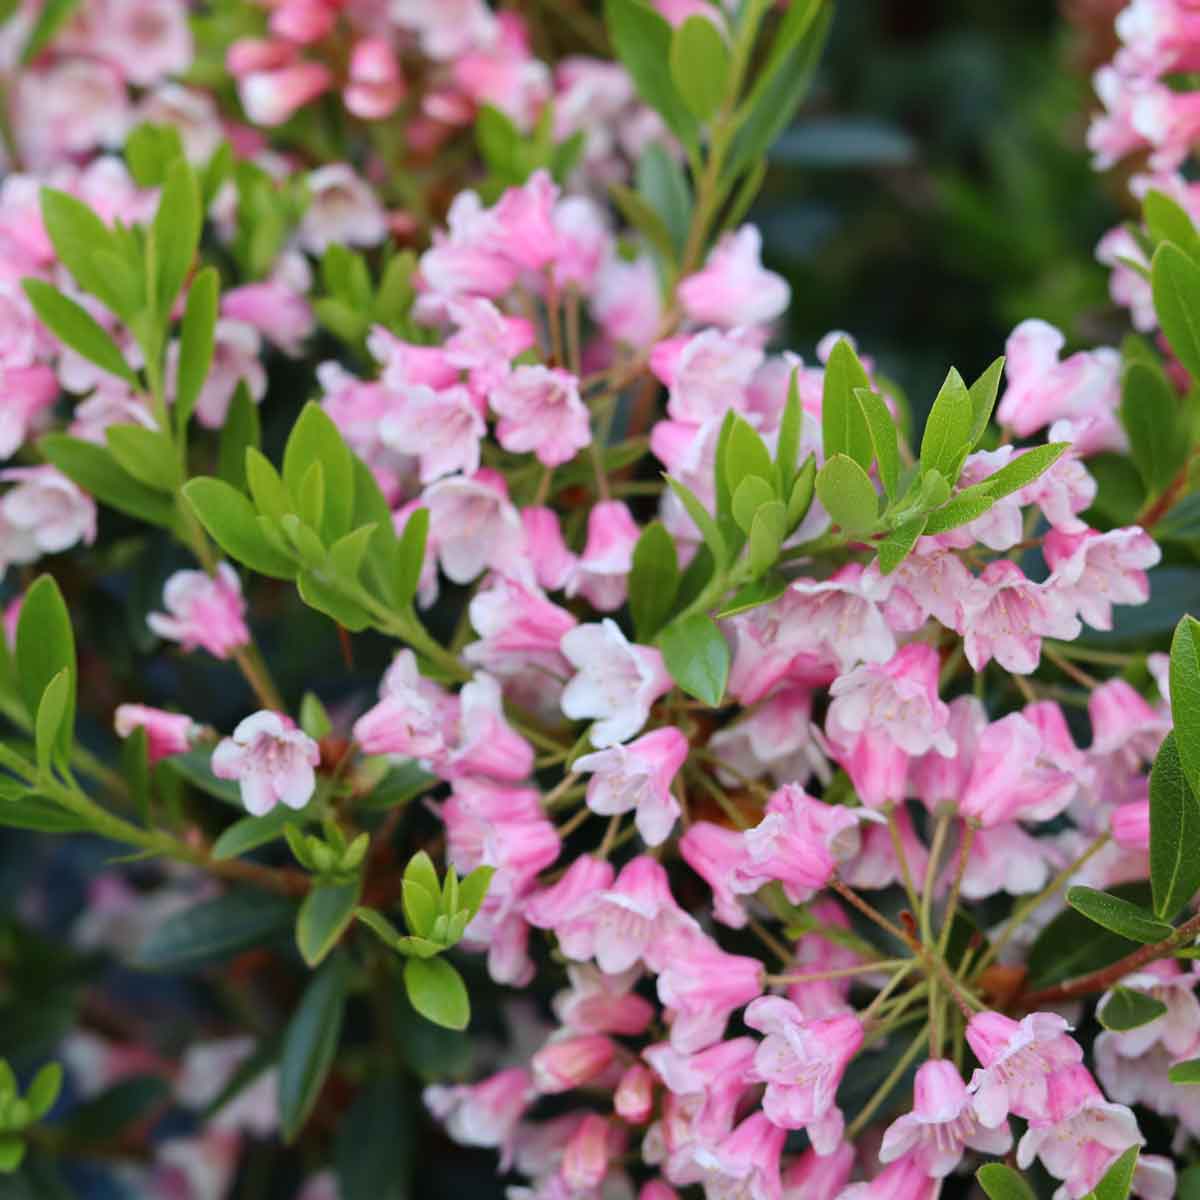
(272, 761)
(203, 610)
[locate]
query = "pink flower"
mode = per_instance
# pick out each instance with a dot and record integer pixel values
(1130, 824)
(572, 1062)
(935, 778)
(552, 562)
(1018, 1059)
(1004, 858)
(777, 738)
(540, 411)
(68, 109)
(802, 1063)
(597, 1002)
(719, 856)
(376, 86)
(411, 716)
(941, 1124)
(485, 340)
(633, 1101)
(1082, 1135)
(342, 208)
(1011, 777)
(702, 986)
(485, 1113)
(474, 524)
(44, 513)
(627, 301)
(203, 610)
(279, 312)
(167, 733)
(588, 1152)
(818, 1177)
(1178, 1029)
(1041, 389)
(448, 29)
(931, 582)
(1125, 729)
(1093, 571)
(902, 1180)
(466, 258)
(1006, 616)
(206, 1070)
(304, 21)
(601, 572)
(525, 222)
(707, 373)
(615, 683)
(584, 242)
(271, 760)
(271, 96)
(480, 740)
(746, 1163)
(26, 393)
(441, 429)
(149, 39)
(733, 288)
(638, 777)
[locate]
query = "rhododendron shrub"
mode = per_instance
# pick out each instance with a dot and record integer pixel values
(788, 804)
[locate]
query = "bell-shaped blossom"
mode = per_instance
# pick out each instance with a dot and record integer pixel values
(203, 610)
(802, 1063)
(877, 865)
(1130, 825)
(26, 395)
(937, 778)
(1006, 615)
(814, 1176)
(745, 1163)
(485, 341)
(1082, 1135)
(902, 1180)
(734, 288)
(719, 856)
(1094, 571)
(42, 513)
(441, 429)
(167, 733)
(272, 761)
(598, 1002)
(942, 1124)
(626, 301)
(466, 257)
(278, 312)
(525, 228)
(637, 777)
(342, 208)
(572, 1062)
(1004, 858)
(474, 524)
(930, 582)
(480, 740)
(615, 683)
(777, 737)
(1018, 1059)
(633, 1101)
(1067, 489)
(1126, 730)
(702, 986)
(208, 1068)
(553, 563)
(706, 373)
(411, 717)
(1011, 777)
(589, 1151)
(540, 410)
(270, 96)
(484, 1113)
(601, 572)
(376, 87)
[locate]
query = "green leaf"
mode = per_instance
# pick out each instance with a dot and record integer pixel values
(421, 906)
(783, 82)
(115, 1109)
(745, 454)
(315, 438)
(661, 183)
(240, 435)
(12, 1153)
(314, 719)
(1185, 697)
(44, 1089)
(946, 441)
(95, 470)
(324, 916)
(884, 438)
(53, 16)
(402, 784)
(421, 871)
(251, 832)
(642, 215)
(983, 400)
(752, 494)
(1130, 921)
(376, 1150)
(703, 522)
(697, 656)
(473, 889)
(843, 425)
(898, 544)
(310, 1043)
(230, 520)
(79, 236)
(1174, 833)
(41, 815)
(45, 651)
(966, 507)
(1168, 222)
(1175, 281)
(1150, 413)
(148, 455)
(766, 535)
(195, 766)
(75, 327)
(215, 930)
(196, 344)
(269, 493)
(653, 580)
(1182, 523)
(175, 232)
(1127, 1009)
(310, 496)
(1003, 1183)
(437, 992)
(642, 40)
(324, 594)
(848, 495)
(1186, 1073)
(700, 64)
(1023, 470)
(803, 489)
(762, 591)
(791, 426)
(410, 555)
(49, 734)
(1118, 1179)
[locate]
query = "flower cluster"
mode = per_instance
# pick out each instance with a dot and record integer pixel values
(763, 738)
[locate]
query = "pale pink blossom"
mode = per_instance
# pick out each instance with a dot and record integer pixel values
(42, 513)
(585, 242)
(601, 572)
(627, 301)
(540, 410)
(148, 39)
(931, 582)
(813, 1176)
(745, 1163)
(589, 1151)
(207, 1069)
(272, 95)
(637, 777)
(190, 111)
(26, 396)
(600, 1002)
(553, 563)
(777, 737)
(479, 739)
(1006, 615)
(474, 524)
(411, 716)
(802, 1063)
(1126, 730)
(633, 1101)
(279, 312)
(203, 610)
(342, 208)
(1130, 825)
(1004, 858)
(720, 857)
(902, 1180)
(448, 29)
(167, 733)
(485, 340)
(484, 1113)
(572, 1062)
(504, 73)
(376, 87)
(615, 684)
(734, 288)
(1068, 487)
(1093, 571)
(466, 258)
(272, 761)
(701, 986)
(707, 373)
(1177, 1029)
(74, 107)
(441, 429)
